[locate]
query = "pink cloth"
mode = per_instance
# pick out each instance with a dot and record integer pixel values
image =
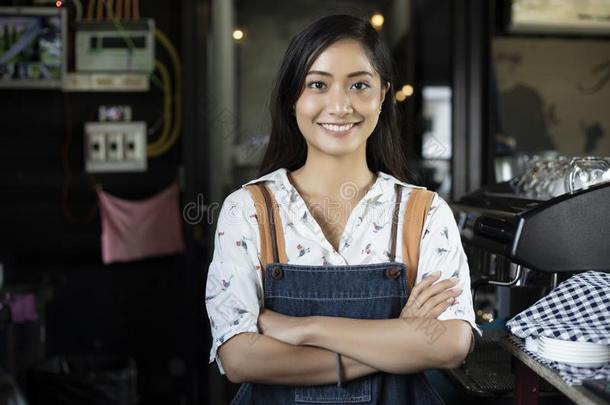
(134, 230)
(22, 307)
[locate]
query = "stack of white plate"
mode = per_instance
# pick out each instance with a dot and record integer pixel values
(582, 354)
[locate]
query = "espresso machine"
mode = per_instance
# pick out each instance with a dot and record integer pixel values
(519, 249)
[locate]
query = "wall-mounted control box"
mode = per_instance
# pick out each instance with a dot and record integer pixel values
(101, 46)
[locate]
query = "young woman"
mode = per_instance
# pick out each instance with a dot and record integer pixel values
(307, 293)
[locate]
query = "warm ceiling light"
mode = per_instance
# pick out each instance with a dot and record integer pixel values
(400, 96)
(407, 89)
(377, 20)
(238, 35)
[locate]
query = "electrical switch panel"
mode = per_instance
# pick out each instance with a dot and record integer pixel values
(115, 147)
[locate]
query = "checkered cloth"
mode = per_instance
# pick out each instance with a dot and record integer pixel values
(568, 373)
(577, 310)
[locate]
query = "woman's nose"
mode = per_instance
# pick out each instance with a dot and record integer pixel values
(339, 103)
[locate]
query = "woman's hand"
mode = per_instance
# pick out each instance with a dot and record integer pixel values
(288, 329)
(429, 300)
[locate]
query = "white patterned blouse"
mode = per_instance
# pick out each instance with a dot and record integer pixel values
(234, 283)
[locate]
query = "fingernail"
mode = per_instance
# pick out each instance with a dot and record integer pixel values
(454, 279)
(459, 290)
(436, 273)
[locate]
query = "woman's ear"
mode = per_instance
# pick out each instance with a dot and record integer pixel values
(384, 91)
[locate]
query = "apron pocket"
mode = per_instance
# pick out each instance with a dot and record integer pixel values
(351, 392)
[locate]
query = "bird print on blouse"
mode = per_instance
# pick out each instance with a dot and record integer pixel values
(233, 210)
(225, 284)
(239, 312)
(347, 241)
(369, 203)
(219, 242)
(377, 228)
(427, 274)
(234, 294)
(284, 189)
(302, 250)
(242, 243)
(294, 196)
(309, 222)
(367, 250)
(458, 307)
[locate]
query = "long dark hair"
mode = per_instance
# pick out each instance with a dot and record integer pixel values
(287, 147)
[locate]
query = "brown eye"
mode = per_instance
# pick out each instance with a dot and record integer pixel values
(361, 85)
(316, 85)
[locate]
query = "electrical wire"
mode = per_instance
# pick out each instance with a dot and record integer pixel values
(164, 142)
(109, 7)
(154, 150)
(79, 9)
(119, 27)
(167, 107)
(90, 8)
(100, 10)
(128, 40)
(119, 9)
(154, 127)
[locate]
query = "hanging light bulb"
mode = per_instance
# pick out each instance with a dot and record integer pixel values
(377, 21)
(400, 96)
(238, 35)
(407, 89)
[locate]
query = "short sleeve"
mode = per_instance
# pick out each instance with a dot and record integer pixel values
(441, 249)
(233, 288)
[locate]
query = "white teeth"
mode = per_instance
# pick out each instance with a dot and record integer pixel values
(337, 128)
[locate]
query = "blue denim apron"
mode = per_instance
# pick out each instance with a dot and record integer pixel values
(373, 291)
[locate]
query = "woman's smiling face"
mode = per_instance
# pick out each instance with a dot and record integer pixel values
(340, 103)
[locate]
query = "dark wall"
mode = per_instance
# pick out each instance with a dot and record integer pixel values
(433, 25)
(50, 233)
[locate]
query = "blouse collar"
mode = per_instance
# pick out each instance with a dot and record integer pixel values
(382, 188)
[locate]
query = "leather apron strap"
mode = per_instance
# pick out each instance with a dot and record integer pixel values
(394, 233)
(416, 212)
(273, 249)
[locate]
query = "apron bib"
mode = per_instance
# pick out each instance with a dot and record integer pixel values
(373, 291)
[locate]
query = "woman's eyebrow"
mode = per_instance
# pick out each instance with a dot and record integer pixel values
(358, 73)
